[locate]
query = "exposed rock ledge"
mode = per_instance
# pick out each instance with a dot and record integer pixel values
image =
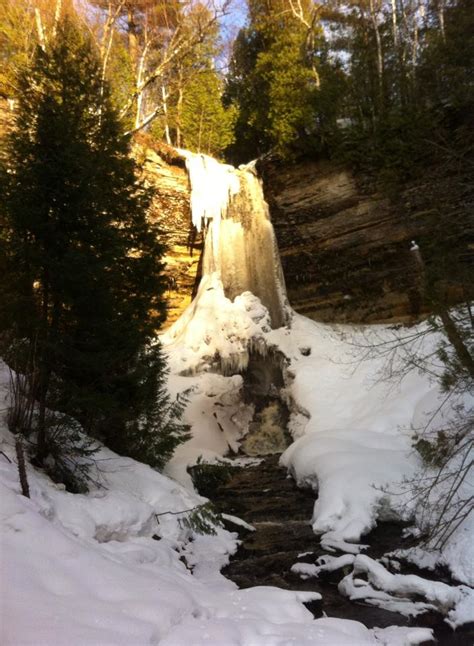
(165, 170)
(345, 253)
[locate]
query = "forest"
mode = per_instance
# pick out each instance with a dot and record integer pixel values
(236, 348)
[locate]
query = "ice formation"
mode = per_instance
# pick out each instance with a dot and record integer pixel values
(212, 186)
(240, 245)
(352, 429)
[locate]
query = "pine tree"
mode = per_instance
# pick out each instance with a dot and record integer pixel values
(206, 126)
(272, 79)
(82, 264)
(193, 114)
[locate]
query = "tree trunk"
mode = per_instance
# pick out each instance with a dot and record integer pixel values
(456, 341)
(179, 108)
(20, 457)
(40, 29)
(441, 19)
(44, 371)
(50, 330)
(394, 23)
(164, 95)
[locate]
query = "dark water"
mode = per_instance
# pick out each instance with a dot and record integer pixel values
(267, 498)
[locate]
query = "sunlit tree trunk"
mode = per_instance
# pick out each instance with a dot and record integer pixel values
(179, 106)
(164, 96)
(441, 19)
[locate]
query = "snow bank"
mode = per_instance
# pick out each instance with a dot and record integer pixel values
(353, 430)
(397, 592)
(323, 564)
(366, 460)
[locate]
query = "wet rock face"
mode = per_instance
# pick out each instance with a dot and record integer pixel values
(263, 380)
(267, 433)
(346, 252)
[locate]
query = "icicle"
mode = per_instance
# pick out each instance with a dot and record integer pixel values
(212, 186)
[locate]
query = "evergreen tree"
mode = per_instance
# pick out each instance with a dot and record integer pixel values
(193, 115)
(82, 279)
(206, 126)
(272, 80)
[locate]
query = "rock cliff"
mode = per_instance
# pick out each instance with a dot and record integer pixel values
(165, 171)
(346, 251)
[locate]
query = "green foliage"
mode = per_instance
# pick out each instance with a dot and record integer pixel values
(416, 115)
(16, 25)
(82, 265)
(394, 98)
(271, 83)
(193, 114)
(206, 125)
(69, 453)
(208, 477)
(202, 520)
(289, 85)
(158, 428)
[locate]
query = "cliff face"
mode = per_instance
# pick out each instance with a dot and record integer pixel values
(165, 171)
(346, 253)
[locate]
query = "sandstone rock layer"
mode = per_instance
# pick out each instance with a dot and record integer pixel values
(346, 252)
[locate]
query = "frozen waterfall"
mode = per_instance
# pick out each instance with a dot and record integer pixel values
(239, 241)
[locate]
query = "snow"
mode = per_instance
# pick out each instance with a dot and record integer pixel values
(238, 521)
(352, 439)
(410, 595)
(84, 569)
(365, 459)
(353, 433)
(215, 333)
(353, 428)
(396, 591)
(323, 564)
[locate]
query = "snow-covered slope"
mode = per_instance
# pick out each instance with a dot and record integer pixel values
(353, 433)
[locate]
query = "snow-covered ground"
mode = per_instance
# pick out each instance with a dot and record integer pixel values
(84, 569)
(353, 428)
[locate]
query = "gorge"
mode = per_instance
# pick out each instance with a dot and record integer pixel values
(236, 397)
(317, 442)
(344, 247)
(241, 329)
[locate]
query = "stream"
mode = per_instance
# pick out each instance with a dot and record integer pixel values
(267, 498)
